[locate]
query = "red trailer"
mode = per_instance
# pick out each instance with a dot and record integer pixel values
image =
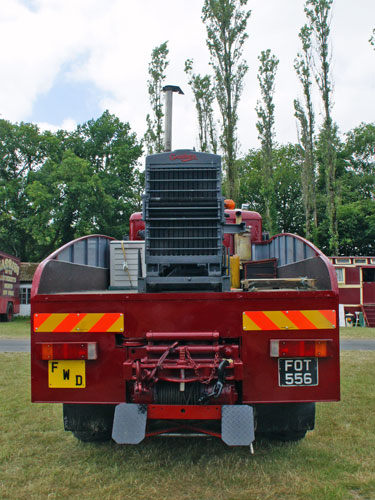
(176, 332)
(9, 286)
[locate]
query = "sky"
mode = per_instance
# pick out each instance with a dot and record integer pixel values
(63, 62)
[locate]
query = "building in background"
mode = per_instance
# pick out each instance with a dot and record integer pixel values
(356, 280)
(26, 278)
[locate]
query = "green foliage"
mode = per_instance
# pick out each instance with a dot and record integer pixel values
(226, 22)
(286, 182)
(204, 95)
(305, 116)
(372, 39)
(156, 69)
(318, 13)
(265, 125)
(57, 187)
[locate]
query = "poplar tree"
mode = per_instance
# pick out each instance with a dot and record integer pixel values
(226, 22)
(265, 110)
(204, 96)
(318, 13)
(155, 132)
(304, 113)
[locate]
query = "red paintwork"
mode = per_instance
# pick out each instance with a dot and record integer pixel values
(252, 219)
(136, 224)
(184, 412)
(55, 255)
(189, 312)
(352, 275)
(368, 293)
(12, 274)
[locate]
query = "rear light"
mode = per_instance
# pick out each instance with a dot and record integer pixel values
(68, 350)
(300, 348)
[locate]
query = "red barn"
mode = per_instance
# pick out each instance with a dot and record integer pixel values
(356, 280)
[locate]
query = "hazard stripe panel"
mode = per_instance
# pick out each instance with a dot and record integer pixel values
(79, 322)
(289, 320)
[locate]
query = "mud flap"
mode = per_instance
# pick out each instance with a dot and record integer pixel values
(129, 423)
(237, 425)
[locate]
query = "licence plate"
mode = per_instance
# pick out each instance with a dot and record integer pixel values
(298, 372)
(67, 374)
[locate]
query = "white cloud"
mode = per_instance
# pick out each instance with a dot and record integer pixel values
(107, 43)
(68, 124)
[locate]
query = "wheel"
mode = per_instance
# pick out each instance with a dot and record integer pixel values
(92, 437)
(284, 422)
(286, 436)
(9, 314)
(89, 422)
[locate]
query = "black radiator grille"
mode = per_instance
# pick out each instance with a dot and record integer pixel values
(185, 184)
(184, 214)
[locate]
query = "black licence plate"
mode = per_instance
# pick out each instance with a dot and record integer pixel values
(298, 372)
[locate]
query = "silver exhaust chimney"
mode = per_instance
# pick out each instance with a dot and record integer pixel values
(168, 90)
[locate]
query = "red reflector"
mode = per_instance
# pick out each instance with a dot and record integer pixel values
(300, 348)
(68, 350)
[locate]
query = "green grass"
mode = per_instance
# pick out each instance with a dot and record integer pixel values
(357, 333)
(336, 461)
(20, 328)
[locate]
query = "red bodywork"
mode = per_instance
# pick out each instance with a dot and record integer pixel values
(202, 328)
(9, 283)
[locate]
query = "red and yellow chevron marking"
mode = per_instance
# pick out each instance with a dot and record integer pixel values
(79, 322)
(289, 320)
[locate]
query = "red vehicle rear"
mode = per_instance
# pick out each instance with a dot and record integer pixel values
(196, 324)
(9, 286)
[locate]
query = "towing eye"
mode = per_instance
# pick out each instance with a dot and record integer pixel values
(219, 385)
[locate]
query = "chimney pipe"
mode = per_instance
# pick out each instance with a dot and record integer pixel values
(168, 90)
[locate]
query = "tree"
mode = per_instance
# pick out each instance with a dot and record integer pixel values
(56, 187)
(266, 119)
(204, 95)
(287, 183)
(156, 69)
(226, 22)
(22, 151)
(305, 115)
(372, 39)
(318, 14)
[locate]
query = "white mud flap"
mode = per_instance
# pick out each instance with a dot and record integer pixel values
(237, 425)
(129, 423)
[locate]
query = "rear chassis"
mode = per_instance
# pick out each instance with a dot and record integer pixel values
(165, 363)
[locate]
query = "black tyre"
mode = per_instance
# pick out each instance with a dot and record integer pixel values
(284, 422)
(286, 436)
(92, 437)
(9, 313)
(89, 423)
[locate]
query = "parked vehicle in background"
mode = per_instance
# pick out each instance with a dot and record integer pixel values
(9, 286)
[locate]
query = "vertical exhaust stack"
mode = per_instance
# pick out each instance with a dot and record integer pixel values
(168, 90)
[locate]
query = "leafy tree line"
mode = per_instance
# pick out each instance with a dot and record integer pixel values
(355, 190)
(309, 188)
(55, 187)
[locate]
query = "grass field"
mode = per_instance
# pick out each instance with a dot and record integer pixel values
(336, 461)
(20, 328)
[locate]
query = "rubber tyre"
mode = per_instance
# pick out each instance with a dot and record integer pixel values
(92, 437)
(286, 422)
(9, 313)
(286, 437)
(89, 423)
